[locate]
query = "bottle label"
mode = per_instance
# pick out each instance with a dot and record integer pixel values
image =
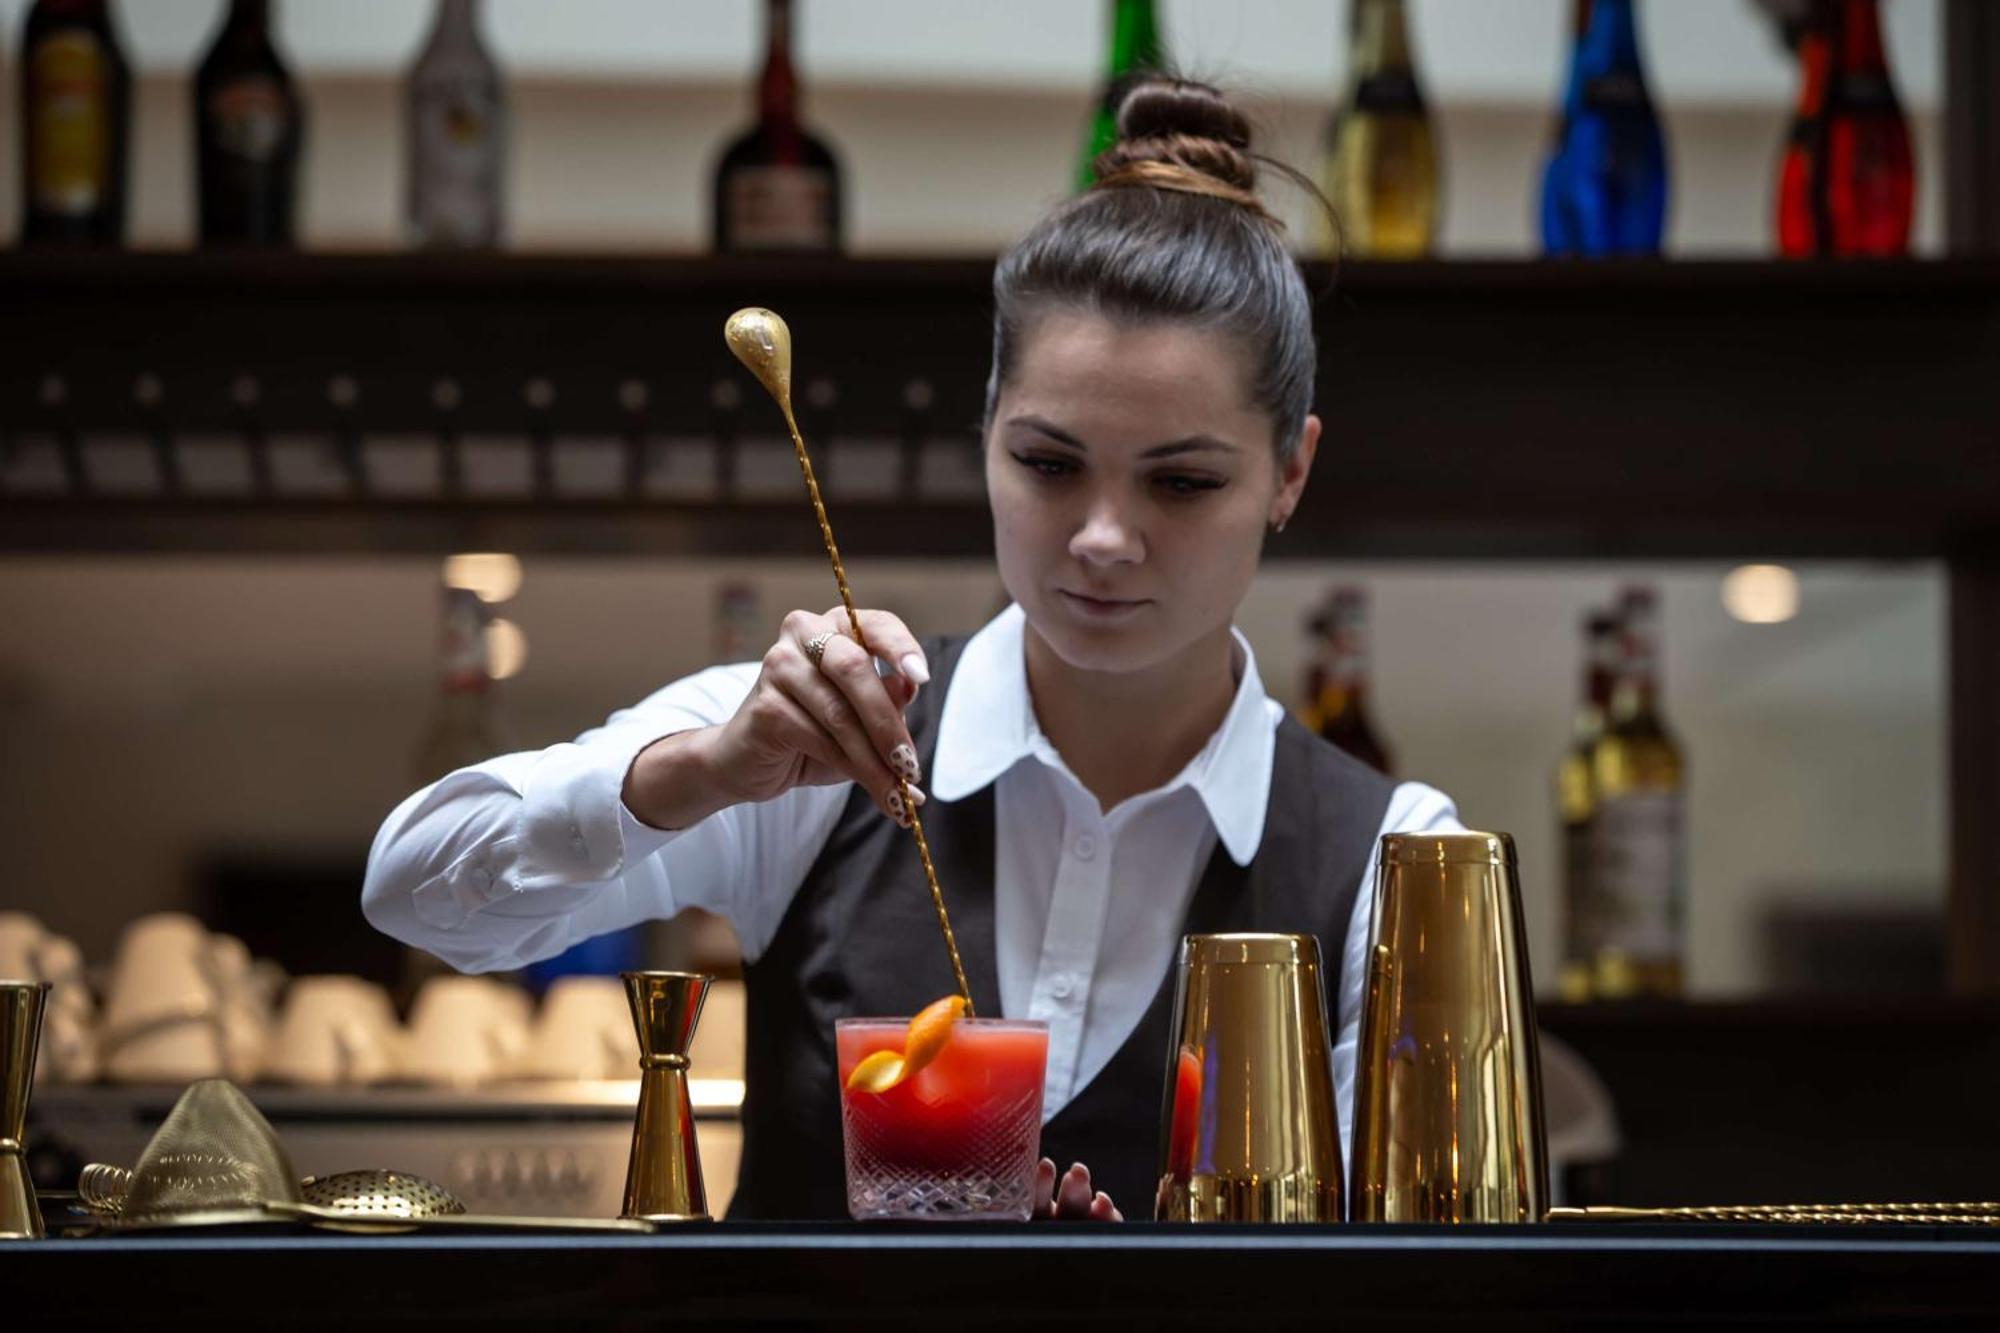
(1615, 90)
(456, 139)
(71, 123)
(248, 117)
(1389, 90)
(780, 208)
(1635, 876)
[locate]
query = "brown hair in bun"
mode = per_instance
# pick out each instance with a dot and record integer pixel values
(1172, 230)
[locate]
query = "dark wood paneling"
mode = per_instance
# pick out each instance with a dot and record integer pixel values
(1473, 410)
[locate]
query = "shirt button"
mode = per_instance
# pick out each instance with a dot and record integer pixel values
(1062, 986)
(1085, 847)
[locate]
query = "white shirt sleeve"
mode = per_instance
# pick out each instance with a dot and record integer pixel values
(517, 858)
(1413, 808)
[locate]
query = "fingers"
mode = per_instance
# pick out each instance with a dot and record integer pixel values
(889, 639)
(1103, 1210)
(1045, 1189)
(850, 668)
(850, 706)
(1073, 1195)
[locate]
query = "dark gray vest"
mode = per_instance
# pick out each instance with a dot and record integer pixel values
(861, 938)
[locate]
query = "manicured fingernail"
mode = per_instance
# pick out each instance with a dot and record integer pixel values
(904, 760)
(896, 810)
(915, 668)
(918, 793)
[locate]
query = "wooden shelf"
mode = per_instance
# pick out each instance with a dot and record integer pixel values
(1474, 410)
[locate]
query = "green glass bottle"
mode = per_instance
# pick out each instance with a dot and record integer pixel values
(1135, 51)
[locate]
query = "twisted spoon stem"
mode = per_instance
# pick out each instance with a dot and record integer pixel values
(763, 343)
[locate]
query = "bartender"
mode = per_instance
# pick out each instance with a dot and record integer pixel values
(1099, 768)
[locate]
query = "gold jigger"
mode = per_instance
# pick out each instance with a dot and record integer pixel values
(663, 1181)
(21, 1005)
(1247, 1127)
(1448, 1094)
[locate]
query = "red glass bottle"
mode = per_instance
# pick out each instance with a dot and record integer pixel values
(1847, 186)
(1802, 226)
(1870, 177)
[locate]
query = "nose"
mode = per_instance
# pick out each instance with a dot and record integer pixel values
(1106, 537)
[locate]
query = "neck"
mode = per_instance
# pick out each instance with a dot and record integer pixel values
(1123, 733)
(1613, 24)
(1381, 39)
(1860, 36)
(455, 17)
(778, 89)
(1135, 36)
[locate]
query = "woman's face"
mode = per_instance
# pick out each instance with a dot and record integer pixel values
(1132, 483)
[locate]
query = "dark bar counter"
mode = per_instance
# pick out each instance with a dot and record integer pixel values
(1560, 1276)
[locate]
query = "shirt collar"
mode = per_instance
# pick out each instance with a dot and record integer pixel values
(988, 725)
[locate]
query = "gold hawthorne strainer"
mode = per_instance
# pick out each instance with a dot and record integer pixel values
(216, 1161)
(358, 1193)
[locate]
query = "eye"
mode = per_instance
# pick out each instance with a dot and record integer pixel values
(1187, 483)
(1046, 465)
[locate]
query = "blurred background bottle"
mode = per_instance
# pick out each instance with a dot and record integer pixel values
(1802, 223)
(777, 186)
(1637, 864)
(75, 119)
(464, 729)
(1575, 801)
(1337, 680)
(1604, 189)
(1870, 180)
(457, 136)
(1135, 51)
(249, 134)
(1382, 165)
(740, 632)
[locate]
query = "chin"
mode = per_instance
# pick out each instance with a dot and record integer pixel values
(1107, 648)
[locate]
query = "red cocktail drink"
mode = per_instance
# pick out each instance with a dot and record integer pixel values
(956, 1140)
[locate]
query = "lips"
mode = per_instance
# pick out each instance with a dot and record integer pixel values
(1102, 606)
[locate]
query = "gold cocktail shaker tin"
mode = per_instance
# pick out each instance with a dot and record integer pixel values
(1248, 1131)
(1448, 1122)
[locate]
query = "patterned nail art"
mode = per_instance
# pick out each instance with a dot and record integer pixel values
(904, 760)
(896, 810)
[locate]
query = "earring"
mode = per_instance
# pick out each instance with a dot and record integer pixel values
(1279, 526)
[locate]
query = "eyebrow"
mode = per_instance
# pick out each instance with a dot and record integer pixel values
(1198, 443)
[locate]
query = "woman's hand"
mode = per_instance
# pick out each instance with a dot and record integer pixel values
(802, 725)
(1073, 1199)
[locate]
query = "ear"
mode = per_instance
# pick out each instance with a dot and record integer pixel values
(1293, 471)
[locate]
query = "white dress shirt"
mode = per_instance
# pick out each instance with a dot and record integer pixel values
(517, 858)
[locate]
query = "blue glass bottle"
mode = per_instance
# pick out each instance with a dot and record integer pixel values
(1604, 190)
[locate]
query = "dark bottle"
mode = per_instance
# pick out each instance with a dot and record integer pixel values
(777, 187)
(1337, 686)
(249, 134)
(1135, 53)
(1604, 190)
(75, 122)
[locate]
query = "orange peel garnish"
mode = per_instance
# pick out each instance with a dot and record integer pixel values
(927, 1034)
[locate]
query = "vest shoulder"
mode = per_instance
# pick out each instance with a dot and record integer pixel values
(1332, 766)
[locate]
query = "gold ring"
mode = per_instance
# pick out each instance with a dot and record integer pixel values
(816, 646)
